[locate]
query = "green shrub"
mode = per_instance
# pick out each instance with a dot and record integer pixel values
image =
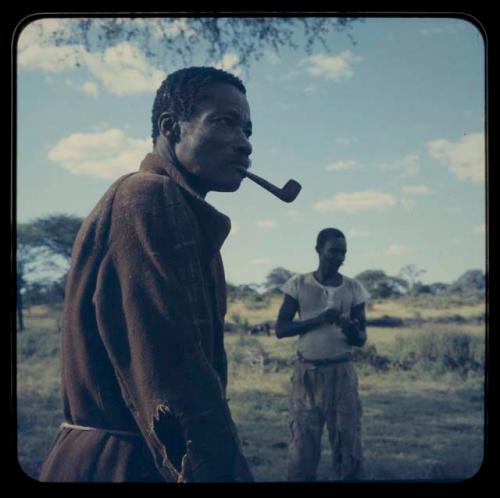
(369, 356)
(236, 323)
(440, 351)
(39, 343)
(241, 349)
(257, 302)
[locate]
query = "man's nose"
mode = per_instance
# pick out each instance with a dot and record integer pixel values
(244, 146)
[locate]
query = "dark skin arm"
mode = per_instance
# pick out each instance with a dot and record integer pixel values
(354, 328)
(287, 327)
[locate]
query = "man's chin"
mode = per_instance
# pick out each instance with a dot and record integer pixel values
(334, 269)
(229, 187)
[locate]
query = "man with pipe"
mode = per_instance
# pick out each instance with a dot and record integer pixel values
(143, 363)
(324, 386)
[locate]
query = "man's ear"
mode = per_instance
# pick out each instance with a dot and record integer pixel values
(169, 127)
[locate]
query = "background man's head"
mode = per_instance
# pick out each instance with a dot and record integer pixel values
(201, 122)
(331, 247)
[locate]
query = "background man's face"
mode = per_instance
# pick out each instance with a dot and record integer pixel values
(332, 253)
(215, 141)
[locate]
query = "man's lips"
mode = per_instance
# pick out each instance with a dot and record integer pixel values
(241, 163)
(242, 167)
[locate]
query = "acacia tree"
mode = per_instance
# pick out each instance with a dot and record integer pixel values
(381, 285)
(276, 278)
(177, 39)
(410, 273)
(25, 264)
(55, 234)
(44, 245)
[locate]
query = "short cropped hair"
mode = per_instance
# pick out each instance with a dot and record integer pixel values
(178, 92)
(328, 233)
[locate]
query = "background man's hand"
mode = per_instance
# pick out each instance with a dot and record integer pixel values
(352, 329)
(331, 315)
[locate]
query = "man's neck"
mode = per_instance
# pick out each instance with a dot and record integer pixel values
(164, 150)
(326, 277)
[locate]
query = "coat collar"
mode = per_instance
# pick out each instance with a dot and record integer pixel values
(214, 224)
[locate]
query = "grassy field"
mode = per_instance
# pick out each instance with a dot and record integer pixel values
(267, 310)
(419, 423)
(415, 426)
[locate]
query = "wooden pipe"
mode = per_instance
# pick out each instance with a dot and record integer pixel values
(288, 193)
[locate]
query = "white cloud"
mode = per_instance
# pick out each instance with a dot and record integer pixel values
(38, 32)
(235, 227)
(102, 126)
(341, 165)
(357, 201)
(229, 63)
(409, 191)
(287, 106)
(290, 75)
(465, 158)
(407, 203)
(415, 190)
(260, 261)
(50, 58)
(293, 216)
(310, 89)
(266, 223)
(480, 229)
(122, 69)
(396, 250)
(271, 57)
(409, 164)
(169, 27)
(90, 88)
(334, 67)
(354, 233)
(106, 154)
(345, 140)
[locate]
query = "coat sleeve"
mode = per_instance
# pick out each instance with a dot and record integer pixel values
(144, 321)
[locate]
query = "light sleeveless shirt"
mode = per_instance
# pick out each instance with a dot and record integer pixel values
(326, 341)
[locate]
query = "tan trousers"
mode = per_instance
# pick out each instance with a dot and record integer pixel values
(319, 395)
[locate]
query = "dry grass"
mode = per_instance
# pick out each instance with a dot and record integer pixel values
(406, 308)
(253, 314)
(415, 426)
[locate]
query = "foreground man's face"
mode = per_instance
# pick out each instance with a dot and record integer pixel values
(215, 141)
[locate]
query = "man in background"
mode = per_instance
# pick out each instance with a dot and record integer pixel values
(324, 386)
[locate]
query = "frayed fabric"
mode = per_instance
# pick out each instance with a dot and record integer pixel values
(142, 339)
(319, 396)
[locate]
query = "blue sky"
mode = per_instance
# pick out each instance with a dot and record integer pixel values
(385, 136)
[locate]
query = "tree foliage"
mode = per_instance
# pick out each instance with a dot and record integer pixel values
(472, 281)
(244, 292)
(54, 234)
(44, 245)
(380, 285)
(177, 39)
(410, 273)
(276, 278)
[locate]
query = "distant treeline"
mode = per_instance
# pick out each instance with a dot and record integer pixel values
(44, 255)
(470, 285)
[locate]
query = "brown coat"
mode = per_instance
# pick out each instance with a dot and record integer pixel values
(142, 339)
